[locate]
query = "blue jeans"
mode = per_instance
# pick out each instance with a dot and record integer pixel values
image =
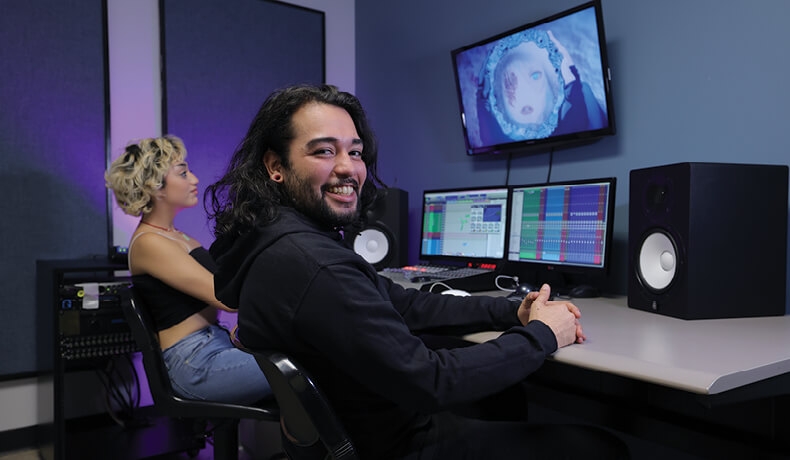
(205, 365)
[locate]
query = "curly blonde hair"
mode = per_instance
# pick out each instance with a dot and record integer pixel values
(140, 171)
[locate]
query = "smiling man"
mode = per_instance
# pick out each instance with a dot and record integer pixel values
(305, 170)
(325, 170)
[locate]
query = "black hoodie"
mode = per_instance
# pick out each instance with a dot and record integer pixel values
(301, 290)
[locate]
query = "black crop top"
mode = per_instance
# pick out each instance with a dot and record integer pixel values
(169, 306)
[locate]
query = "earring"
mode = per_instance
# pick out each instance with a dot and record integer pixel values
(276, 177)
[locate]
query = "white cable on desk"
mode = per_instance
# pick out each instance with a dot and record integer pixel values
(512, 278)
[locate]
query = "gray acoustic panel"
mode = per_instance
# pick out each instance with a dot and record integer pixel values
(221, 60)
(52, 156)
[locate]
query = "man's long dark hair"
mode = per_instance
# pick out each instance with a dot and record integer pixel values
(246, 193)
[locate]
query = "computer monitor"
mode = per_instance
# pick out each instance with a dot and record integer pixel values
(561, 232)
(466, 225)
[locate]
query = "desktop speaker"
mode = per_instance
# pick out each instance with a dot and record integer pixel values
(708, 240)
(383, 238)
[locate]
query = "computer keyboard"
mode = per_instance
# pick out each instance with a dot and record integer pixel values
(422, 273)
(470, 279)
(464, 272)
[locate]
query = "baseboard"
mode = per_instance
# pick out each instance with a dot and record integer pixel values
(18, 439)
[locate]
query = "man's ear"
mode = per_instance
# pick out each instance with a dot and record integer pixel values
(273, 165)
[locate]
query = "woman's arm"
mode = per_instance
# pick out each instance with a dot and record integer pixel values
(167, 261)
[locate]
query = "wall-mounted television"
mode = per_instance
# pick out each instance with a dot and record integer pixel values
(540, 86)
(561, 232)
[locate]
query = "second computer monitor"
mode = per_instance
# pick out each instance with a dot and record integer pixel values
(467, 225)
(564, 225)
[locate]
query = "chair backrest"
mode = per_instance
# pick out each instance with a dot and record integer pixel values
(306, 413)
(165, 399)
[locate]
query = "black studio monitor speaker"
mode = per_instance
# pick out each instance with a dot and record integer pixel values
(383, 238)
(708, 240)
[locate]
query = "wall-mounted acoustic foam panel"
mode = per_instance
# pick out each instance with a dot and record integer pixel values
(52, 157)
(220, 63)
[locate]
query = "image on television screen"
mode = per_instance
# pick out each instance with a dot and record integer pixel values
(544, 82)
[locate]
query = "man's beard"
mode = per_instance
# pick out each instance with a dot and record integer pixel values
(315, 207)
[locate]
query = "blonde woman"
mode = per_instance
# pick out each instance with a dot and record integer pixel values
(173, 273)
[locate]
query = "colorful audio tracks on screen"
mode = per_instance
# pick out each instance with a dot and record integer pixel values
(563, 225)
(465, 223)
(559, 224)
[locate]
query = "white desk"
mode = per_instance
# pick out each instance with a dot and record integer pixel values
(698, 356)
(711, 388)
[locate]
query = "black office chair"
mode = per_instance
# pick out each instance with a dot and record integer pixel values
(225, 417)
(306, 413)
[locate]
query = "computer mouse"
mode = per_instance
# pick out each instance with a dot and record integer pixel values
(520, 292)
(524, 289)
(457, 292)
(584, 291)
